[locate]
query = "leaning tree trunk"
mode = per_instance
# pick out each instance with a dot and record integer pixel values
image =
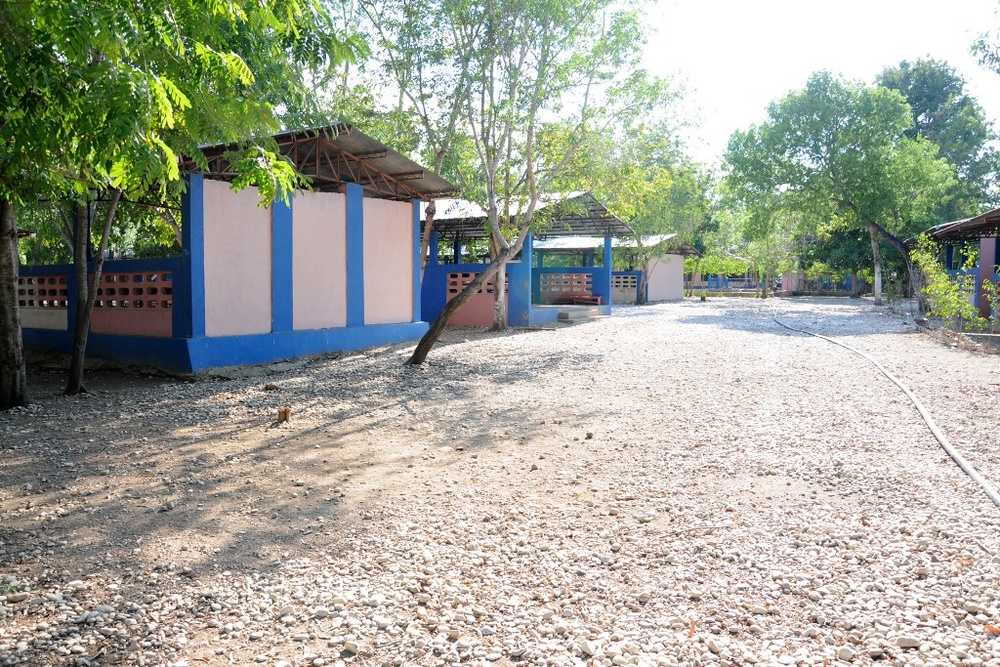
(640, 297)
(877, 255)
(645, 261)
(13, 376)
(441, 322)
(86, 290)
(911, 270)
(438, 326)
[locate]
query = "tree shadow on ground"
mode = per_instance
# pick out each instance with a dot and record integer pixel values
(151, 475)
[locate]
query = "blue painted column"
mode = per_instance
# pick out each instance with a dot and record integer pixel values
(527, 259)
(602, 277)
(282, 267)
(189, 281)
(987, 264)
(434, 251)
(417, 227)
(457, 249)
(355, 255)
(432, 291)
(519, 286)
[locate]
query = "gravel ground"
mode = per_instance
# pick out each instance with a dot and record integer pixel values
(680, 484)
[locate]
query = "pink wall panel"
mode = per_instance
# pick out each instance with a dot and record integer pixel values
(666, 278)
(477, 311)
(319, 252)
(388, 261)
(138, 303)
(237, 262)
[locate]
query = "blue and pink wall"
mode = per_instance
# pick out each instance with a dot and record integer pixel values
(325, 272)
(531, 290)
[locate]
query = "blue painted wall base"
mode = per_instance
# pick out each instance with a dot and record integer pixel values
(190, 355)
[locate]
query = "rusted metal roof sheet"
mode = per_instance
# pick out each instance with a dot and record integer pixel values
(987, 224)
(337, 154)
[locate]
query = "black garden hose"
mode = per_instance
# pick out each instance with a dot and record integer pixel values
(966, 467)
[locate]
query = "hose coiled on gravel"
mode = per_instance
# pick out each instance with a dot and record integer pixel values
(966, 467)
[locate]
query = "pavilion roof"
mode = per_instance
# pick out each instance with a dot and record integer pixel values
(574, 214)
(987, 224)
(337, 154)
(571, 244)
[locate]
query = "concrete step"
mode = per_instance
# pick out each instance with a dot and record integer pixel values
(579, 313)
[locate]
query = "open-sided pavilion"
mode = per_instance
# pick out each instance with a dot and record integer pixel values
(535, 292)
(982, 230)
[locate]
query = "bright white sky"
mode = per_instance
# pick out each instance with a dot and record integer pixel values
(736, 56)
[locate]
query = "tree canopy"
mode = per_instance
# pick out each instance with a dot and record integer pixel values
(104, 96)
(837, 149)
(945, 114)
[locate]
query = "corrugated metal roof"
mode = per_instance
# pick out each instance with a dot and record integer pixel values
(337, 154)
(573, 214)
(987, 224)
(569, 244)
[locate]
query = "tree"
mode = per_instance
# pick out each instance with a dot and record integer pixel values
(641, 173)
(950, 298)
(837, 149)
(528, 70)
(102, 98)
(944, 113)
(416, 48)
(840, 249)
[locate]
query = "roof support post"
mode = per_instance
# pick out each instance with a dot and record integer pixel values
(355, 255)
(433, 250)
(417, 226)
(282, 267)
(987, 271)
(188, 298)
(602, 276)
(519, 283)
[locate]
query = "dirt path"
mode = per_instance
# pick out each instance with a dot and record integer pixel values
(678, 484)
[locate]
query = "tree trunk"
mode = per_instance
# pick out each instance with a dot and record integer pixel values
(86, 291)
(438, 325)
(695, 274)
(855, 285)
(640, 297)
(911, 271)
(425, 240)
(500, 299)
(13, 376)
(644, 260)
(877, 255)
(441, 322)
(81, 326)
